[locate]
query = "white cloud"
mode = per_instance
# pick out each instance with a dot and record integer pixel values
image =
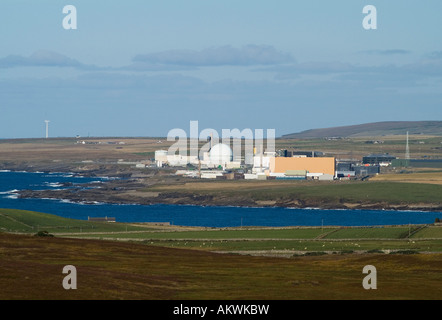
(42, 58)
(218, 56)
(388, 52)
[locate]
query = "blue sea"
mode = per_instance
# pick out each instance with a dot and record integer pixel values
(205, 216)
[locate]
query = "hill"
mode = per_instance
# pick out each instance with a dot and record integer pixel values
(372, 130)
(22, 221)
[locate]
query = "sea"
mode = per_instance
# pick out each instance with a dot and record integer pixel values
(186, 215)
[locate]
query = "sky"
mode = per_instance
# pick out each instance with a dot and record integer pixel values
(143, 68)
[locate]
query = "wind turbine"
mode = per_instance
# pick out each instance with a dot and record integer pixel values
(47, 128)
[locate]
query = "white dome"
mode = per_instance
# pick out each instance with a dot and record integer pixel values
(221, 154)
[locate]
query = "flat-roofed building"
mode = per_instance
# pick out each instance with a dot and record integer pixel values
(375, 159)
(325, 165)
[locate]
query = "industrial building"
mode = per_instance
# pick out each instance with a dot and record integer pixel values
(323, 165)
(378, 159)
(219, 156)
(288, 153)
(160, 157)
(417, 163)
(351, 169)
(367, 170)
(344, 166)
(219, 163)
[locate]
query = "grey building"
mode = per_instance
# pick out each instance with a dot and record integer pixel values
(375, 159)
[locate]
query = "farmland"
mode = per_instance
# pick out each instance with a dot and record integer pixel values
(283, 241)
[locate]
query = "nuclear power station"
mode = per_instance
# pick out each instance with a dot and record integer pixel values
(219, 161)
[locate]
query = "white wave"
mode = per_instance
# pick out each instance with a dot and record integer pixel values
(307, 208)
(9, 192)
(109, 178)
(80, 202)
(60, 174)
(94, 203)
(5, 170)
(65, 200)
(53, 184)
(12, 196)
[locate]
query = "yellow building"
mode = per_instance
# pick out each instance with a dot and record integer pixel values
(324, 165)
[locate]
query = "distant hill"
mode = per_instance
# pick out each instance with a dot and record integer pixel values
(372, 130)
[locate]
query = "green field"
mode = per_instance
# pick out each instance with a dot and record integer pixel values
(390, 192)
(22, 221)
(229, 234)
(426, 238)
(373, 233)
(430, 232)
(293, 248)
(332, 193)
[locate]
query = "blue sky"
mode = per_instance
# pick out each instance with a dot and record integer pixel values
(142, 68)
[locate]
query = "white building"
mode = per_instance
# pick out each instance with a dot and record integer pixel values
(160, 157)
(220, 154)
(261, 163)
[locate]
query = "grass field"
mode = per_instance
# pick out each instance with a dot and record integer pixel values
(431, 177)
(300, 239)
(372, 233)
(331, 192)
(430, 232)
(30, 222)
(219, 234)
(291, 248)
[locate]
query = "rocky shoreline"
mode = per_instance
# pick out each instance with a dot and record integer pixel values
(130, 191)
(85, 170)
(112, 196)
(131, 187)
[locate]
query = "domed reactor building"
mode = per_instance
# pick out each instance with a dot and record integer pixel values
(220, 155)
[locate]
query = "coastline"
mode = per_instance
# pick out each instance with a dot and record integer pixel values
(93, 197)
(129, 186)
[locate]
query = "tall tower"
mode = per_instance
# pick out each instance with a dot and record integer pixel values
(47, 128)
(407, 150)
